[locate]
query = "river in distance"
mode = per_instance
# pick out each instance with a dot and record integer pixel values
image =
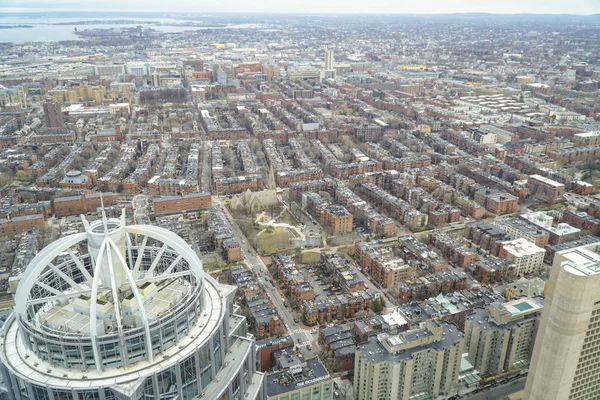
(44, 30)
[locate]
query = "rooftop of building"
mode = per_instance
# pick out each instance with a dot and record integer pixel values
(374, 351)
(272, 342)
(582, 241)
(530, 287)
(583, 260)
(296, 377)
(523, 226)
(518, 310)
(547, 181)
(522, 247)
(587, 134)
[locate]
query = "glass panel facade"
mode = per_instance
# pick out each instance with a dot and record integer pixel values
(188, 378)
(62, 394)
(167, 384)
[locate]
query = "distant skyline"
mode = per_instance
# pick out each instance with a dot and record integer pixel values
(581, 7)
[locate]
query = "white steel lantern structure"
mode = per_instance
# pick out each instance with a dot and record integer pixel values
(125, 312)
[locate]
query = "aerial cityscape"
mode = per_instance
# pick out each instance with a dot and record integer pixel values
(289, 206)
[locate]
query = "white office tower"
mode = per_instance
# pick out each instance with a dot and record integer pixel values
(328, 59)
(566, 356)
(125, 312)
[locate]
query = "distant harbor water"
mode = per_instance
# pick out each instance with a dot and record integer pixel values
(43, 30)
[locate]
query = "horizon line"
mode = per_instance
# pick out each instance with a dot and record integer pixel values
(39, 10)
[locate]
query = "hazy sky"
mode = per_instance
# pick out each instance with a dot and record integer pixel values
(313, 6)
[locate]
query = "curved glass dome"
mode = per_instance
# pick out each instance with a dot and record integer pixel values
(107, 297)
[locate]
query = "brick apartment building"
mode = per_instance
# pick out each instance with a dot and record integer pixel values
(487, 236)
(432, 285)
(545, 188)
(285, 178)
(11, 227)
(497, 202)
(237, 184)
(181, 204)
(582, 221)
(85, 203)
(451, 249)
(382, 265)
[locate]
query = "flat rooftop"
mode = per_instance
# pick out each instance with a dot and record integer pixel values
(583, 261)
(522, 247)
(547, 181)
(521, 306)
(282, 382)
(587, 134)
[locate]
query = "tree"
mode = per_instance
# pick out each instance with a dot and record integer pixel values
(77, 162)
(21, 175)
(376, 306)
(260, 158)
(87, 153)
(4, 179)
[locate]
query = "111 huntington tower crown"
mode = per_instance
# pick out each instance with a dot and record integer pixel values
(125, 312)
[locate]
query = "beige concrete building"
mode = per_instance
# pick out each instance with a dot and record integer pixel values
(526, 256)
(77, 94)
(565, 363)
(500, 339)
(421, 363)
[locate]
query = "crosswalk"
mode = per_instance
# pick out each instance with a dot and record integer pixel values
(305, 336)
(297, 331)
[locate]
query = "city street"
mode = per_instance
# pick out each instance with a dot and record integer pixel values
(499, 392)
(257, 265)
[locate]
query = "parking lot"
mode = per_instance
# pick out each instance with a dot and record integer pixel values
(317, 279)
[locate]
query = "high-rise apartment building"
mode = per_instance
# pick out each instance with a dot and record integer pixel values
(526, 256)
(419, 363)
(328, 59)
(566, 356)
(53, 114)
(109, 69)
(500, 339)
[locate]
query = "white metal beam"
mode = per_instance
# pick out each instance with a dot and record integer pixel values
(48, 288)
(93, 308)
(57, 297)
(129, 250)
(140, 256)
(138, 300)
(175, 242)
(38, 265)
(80, 265)
(173, 264)
(165, 277)
(69, 280)
(115, 291)
(156, 260)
